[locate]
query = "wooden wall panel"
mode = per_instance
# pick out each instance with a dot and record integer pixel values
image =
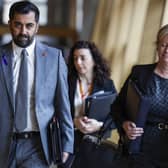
(147, 53)
(136, 29)
(127, 37)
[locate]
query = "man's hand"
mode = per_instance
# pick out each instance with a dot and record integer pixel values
(65, 156)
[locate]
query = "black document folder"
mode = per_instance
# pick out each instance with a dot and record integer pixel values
(137, 107)
(55, 145)
(55, 141)
(98, 105)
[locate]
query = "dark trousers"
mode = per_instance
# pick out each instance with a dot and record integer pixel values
(135, 161)
(27, 153)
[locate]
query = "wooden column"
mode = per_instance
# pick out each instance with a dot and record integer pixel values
(100, 22)
(117, 38)
(136, 29)
(147, 52)
(165, 12)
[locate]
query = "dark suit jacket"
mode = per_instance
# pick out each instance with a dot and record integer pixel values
(51, 95)
(107, 86)
(141, 75)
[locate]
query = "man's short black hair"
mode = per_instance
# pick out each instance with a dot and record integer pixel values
(23, 7)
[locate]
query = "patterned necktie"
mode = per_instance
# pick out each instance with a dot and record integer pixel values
(22, 94)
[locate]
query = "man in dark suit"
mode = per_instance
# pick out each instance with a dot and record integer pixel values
(24, 141)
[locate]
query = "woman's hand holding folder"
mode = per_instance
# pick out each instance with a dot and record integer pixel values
(87, 125)
(92, 125)
(131, 130)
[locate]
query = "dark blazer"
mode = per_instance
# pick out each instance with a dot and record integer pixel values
(107, 86)
(51, 95)
(141, 75)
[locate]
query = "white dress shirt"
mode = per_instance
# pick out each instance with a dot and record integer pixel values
(31, 117)
(79, 103)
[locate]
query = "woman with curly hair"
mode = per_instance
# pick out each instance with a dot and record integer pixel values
(88, 73)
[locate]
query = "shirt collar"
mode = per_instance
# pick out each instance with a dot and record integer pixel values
(30, 49)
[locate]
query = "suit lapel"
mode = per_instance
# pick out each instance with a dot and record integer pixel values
(6, 62)
(40, 67)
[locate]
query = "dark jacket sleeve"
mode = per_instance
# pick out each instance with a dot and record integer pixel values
(141, 75)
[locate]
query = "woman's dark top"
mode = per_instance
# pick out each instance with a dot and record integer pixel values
(154, 144)
(155, 141)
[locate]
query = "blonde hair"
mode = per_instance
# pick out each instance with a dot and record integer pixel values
(162, 32)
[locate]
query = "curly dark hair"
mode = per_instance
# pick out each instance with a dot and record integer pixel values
(101, 68)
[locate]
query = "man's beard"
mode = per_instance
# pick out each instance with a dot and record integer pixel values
(23, 40)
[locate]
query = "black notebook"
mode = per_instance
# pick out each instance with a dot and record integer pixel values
(137, 107)
(98, 105)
